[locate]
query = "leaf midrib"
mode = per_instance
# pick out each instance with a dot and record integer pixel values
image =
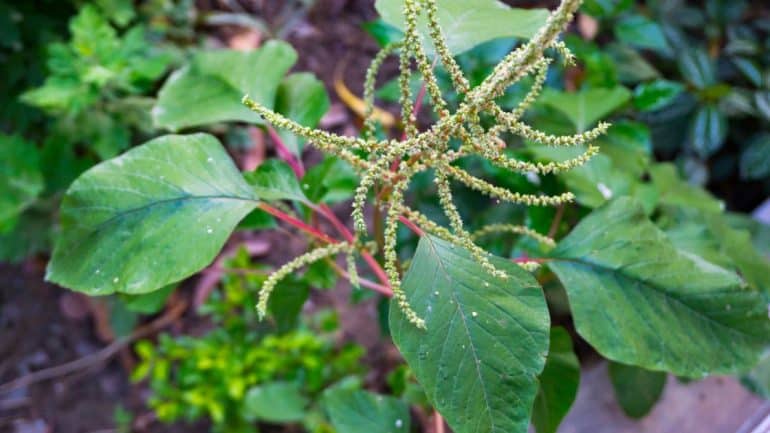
(120, 215)
(476, 359)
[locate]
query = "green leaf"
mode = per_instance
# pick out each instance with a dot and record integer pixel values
(486, 338)
(331, 181)
(636, 389)
(467, 23)
(708, 131)
(150, 217)
(628, 145)
(594, 182)
(148, 303)
(710, 236)
(285, 305)
(758, 379)
(606, 8)
(277, 402)
(642, 32)
(355, 411)
(558, 383)
(275, 180)
(630, 65)
(301, 97)
(210, 87)
(640, 301)
(382, 32)
(20, 178)
(656, 94)
(588, 106)
(755, 159)
(675, 191)
(697, 68)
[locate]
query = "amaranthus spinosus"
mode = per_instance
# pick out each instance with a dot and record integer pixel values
(392, 163)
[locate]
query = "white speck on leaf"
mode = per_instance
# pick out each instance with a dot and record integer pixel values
(399, 423)
(604, 190)
(115, 280)
(474, 314)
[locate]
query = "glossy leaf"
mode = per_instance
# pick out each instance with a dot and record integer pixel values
(150, 217)
(277, 402)
(696, 67)
(355, 411)
(558, 383)
(708, 131)
(275, 180)
(755, 159)
(467, 23)
(20, 178)
(210, 87)
(486, 338)
(588, 106)
(636, 389)
(656, 94)
(640, 301)
(301, 97)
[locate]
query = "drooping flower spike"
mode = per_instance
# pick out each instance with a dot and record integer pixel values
(430, 149)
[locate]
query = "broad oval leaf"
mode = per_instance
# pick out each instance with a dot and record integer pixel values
(210, 87)
(355, 411)
(636, 389)
(278, 402)
(150, 217)
(558, 383)
(486, 338)
(640, 301)
(467, 23)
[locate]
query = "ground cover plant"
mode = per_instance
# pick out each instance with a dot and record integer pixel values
(512, 219)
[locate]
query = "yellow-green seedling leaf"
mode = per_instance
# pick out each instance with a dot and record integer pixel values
(640, 301)
(558, 383)
(486, 339)
(150, 217)
(467, 23)
(355, 411)
(636, 389)
(210, 87)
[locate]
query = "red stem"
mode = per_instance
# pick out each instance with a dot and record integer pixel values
(297, 223)
(368, 258)
(412, 226)
(285, 154)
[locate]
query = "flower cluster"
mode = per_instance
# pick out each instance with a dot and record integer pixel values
(392, 163)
